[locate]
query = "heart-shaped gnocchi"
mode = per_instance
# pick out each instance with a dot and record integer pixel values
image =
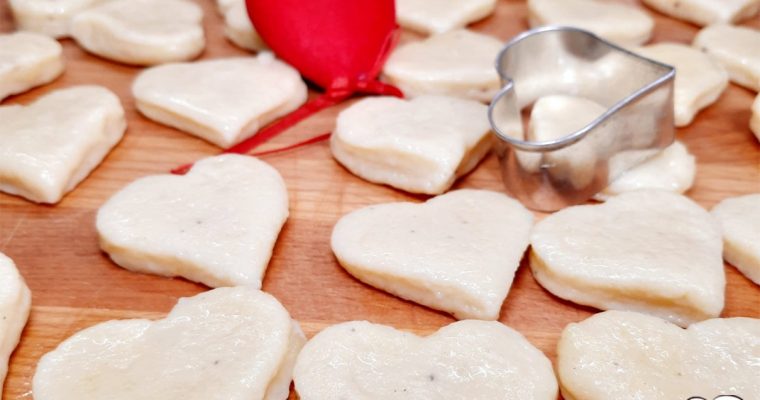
(464, 360)
(15, 303)
(216, 225)
(28, 60)
(224, 100)
(649, 251)
(737, 48)
(457, 252)
(739, 216)
(49, 146)
(229, 343)
(238, 27)
(615, 21)
(699, 79)
(421, 145)
(626, 355)
(436, 16)
(456, 63)
(707, 12)
(51, 18)
(141, 32)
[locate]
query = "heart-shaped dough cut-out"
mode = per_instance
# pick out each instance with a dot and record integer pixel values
(650, 251)
(28, 60)
(737, 49)
(230, 343)
(457, 252)
(699, 79)
(707, 12)
(671, 169)
(15, 303)
(615, 21)
(239, 29)
(49, 146)
(436, 16)
(216, 225)
(141, 32)
(224, 5)
(626, 355)
(224, 101)
(464, 360)
(739, 218)
(754, 122)
(421, 145)
(557, 116)
(48, 17)
(456, 63)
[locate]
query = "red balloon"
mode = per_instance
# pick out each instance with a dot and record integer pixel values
(331, 42)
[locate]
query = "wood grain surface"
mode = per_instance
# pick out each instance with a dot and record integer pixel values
(74, 285)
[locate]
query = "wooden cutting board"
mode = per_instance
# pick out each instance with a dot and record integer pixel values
(74, 285)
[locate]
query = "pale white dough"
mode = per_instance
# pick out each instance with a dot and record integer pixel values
(27, 60)
(618, 22)
(15, 303)
(700, 80)
(557, 116)
(630, 356)
(216, 225)
(49, 146)
(707, 12)
(736, 48)
(474, 360)
(229, 343)
(141, 32)
(48, 17)
(239, 29)
(421, 145)
(456, 63)
(740, 219)
(224, 5)
(649, 251)
(438, 16)
(673, 169)
(223, 101)
(754, 123)
(457, 252)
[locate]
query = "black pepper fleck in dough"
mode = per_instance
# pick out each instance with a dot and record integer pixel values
(216, 362)
(431, 377)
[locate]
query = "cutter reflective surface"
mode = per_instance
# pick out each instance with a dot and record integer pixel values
(638, 123)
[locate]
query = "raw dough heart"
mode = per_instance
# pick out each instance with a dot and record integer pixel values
(699, 79)
(737, 49)
(216, 225)
(231, 343)
(15, 302)
(474, 360)
(457, 252)
(223, 101)
(48, 17)
(49, 146)
(650, 251)
(224, 5)
(671, 169)
(629, 356)
(617, 22)
(439, 16)
(557, 116)
(141, 32)
(420, 145)
(28, 60)
(457, 63)
(754, 123)
(239, 29)
(707, 12)
(740, 219)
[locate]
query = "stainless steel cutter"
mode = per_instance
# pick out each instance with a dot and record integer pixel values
(638, 123)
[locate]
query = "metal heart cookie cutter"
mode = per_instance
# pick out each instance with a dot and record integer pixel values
(637, 92)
